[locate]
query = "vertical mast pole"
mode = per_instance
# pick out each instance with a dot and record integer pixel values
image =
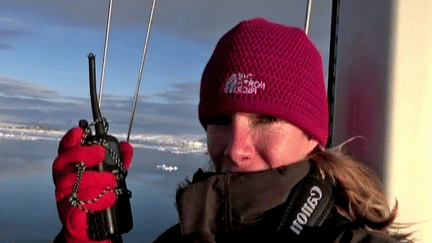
(331, 86)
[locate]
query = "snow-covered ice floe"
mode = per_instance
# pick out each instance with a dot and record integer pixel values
(178, 144)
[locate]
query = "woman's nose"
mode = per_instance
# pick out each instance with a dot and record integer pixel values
(240, 146)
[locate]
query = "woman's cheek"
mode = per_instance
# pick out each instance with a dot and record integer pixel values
(278, 148)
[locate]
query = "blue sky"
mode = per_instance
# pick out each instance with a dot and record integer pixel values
(44, 47)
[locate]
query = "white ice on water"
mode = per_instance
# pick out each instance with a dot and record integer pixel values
(178, 144)
(167, 167)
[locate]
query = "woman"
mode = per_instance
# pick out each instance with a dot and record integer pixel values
(263, 105)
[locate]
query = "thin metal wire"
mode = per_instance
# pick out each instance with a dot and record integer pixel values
(308, 14)
(107, 31)
(141, 70)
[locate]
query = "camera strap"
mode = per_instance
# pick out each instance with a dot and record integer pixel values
(308, 206)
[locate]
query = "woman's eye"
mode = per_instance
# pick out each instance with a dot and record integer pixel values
(267, 119)
(219, 120)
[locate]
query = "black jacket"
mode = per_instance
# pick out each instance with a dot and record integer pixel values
(331, 232)
(290, 204)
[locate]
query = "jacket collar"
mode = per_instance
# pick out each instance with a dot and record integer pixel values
(225, 203)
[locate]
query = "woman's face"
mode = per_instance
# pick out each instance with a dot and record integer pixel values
(246, 142)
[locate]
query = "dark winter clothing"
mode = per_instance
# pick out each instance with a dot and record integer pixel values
(262, 207)
(259, 207)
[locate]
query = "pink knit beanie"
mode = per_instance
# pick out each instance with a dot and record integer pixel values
(267, 68)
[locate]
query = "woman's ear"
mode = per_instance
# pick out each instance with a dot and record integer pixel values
(311, 144)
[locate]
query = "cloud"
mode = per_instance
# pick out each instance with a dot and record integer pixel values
(10, 34)
(202, 21)
(29, 104)
(6, 47)
(186, 92)
(7, 33)
(13, 87)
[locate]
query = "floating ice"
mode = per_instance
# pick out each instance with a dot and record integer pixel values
(177, 144)
(167, 168)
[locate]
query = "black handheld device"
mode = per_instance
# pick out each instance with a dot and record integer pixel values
(116, 220)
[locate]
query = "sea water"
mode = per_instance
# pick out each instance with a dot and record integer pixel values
(28, 211)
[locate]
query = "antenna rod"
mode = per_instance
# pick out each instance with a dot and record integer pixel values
(107, 31)
(141, 70)
(308, 14)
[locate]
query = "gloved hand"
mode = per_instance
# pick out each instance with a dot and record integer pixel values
(95, 189)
